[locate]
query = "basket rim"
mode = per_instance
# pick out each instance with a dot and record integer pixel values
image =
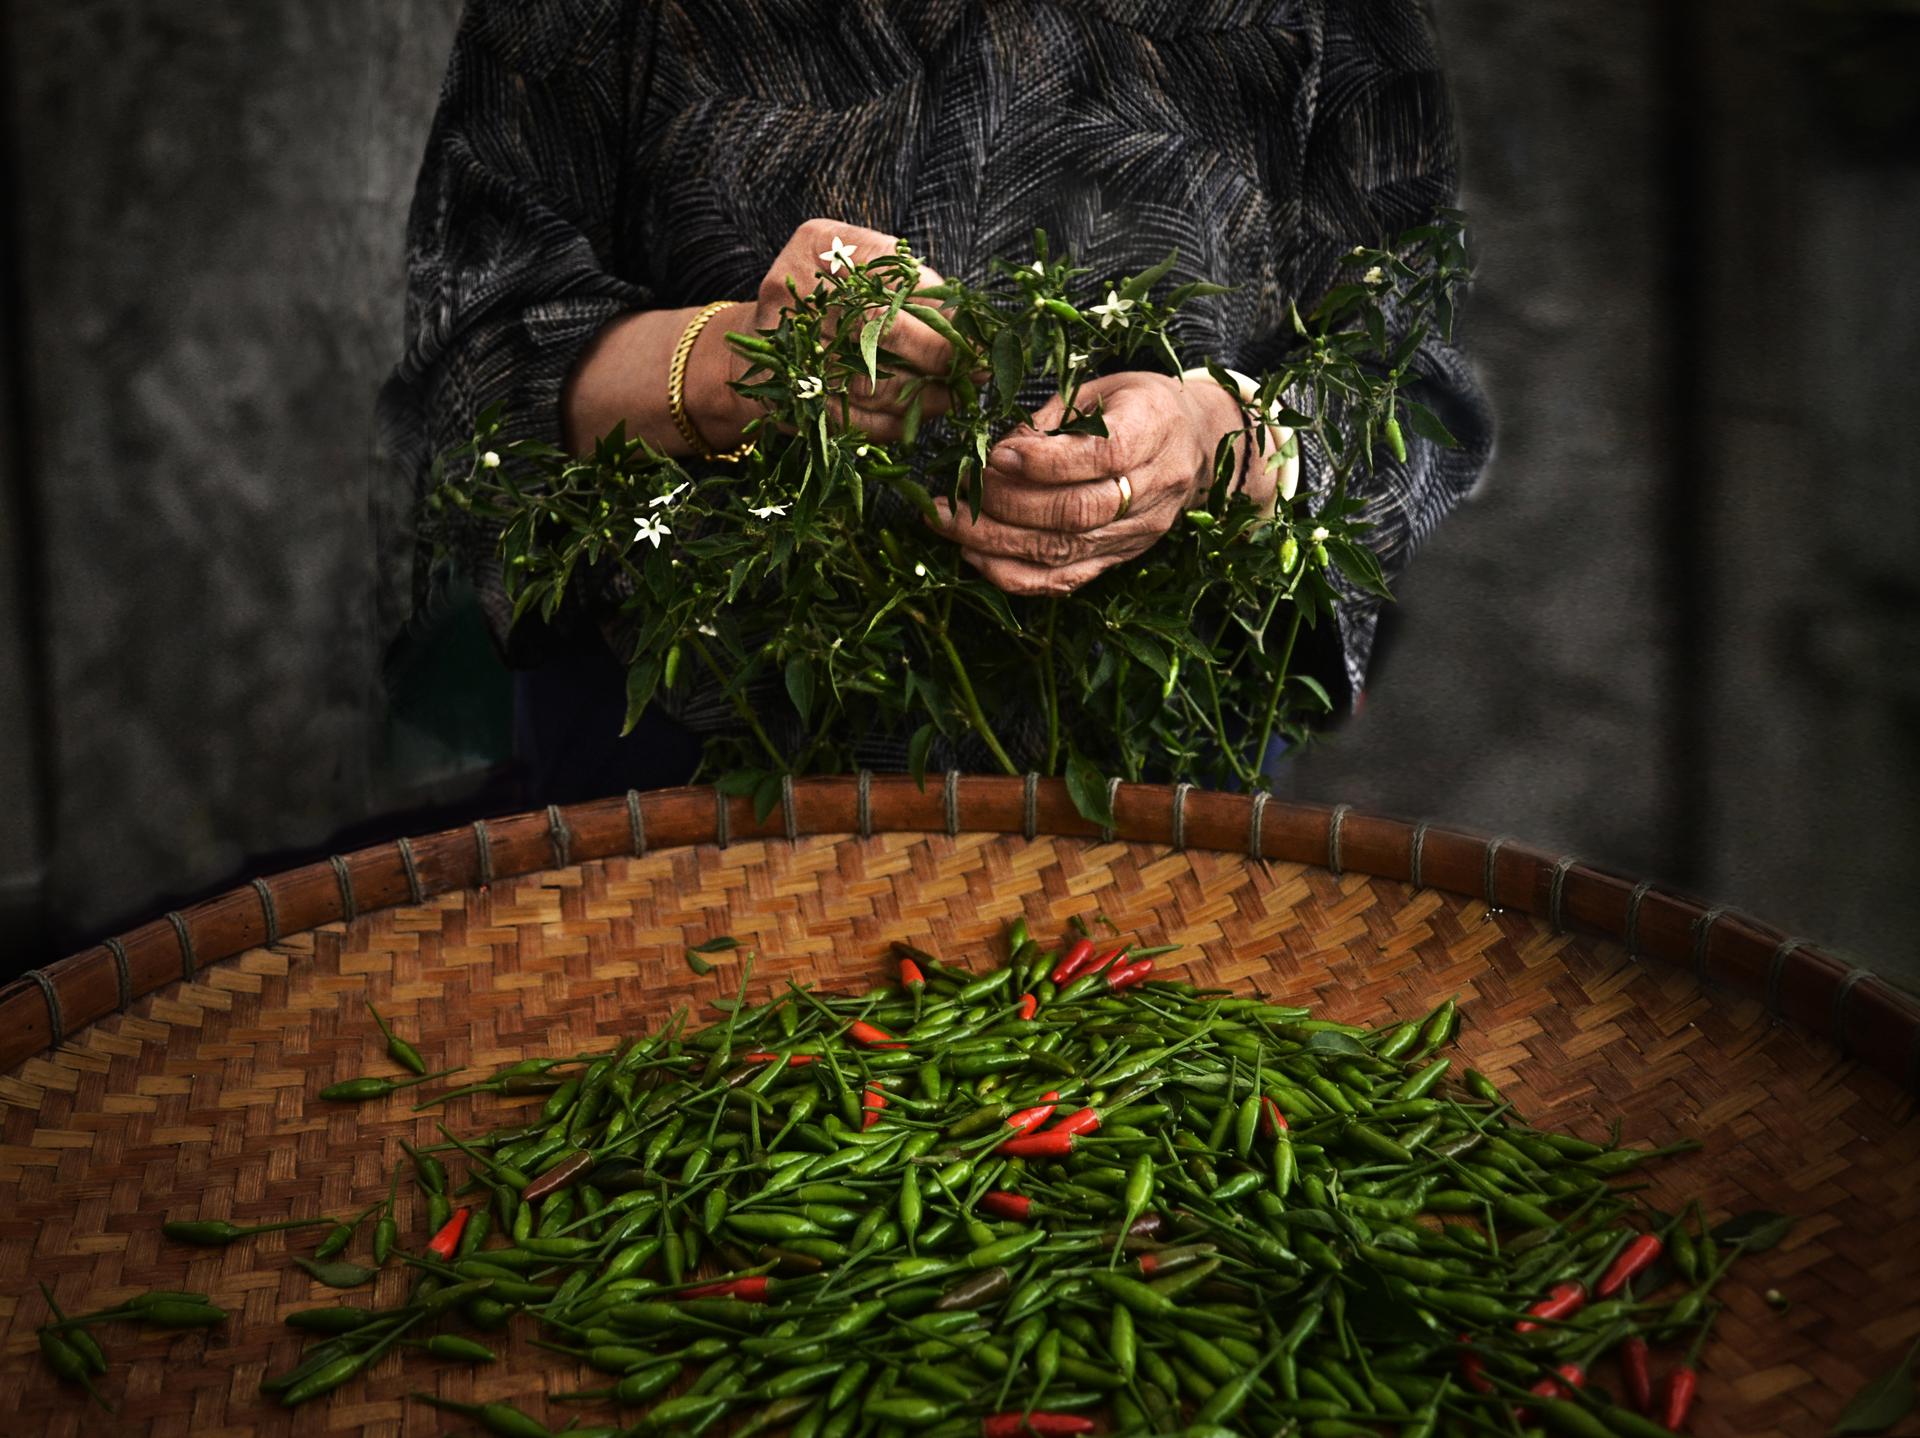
(1870, 1019)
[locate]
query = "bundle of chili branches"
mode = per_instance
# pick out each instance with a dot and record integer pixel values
(803, 586)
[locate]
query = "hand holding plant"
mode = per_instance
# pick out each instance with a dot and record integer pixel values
(814, 584)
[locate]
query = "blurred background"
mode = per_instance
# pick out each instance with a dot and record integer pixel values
(1670, 633)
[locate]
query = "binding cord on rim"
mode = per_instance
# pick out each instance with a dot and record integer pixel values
(56, 1021)
(1338, 817)
(951, 801)
(1776, 967)
(562, 837)
(1702, 934)
(1256, 826)
(349, 906)
(863, 803)
(637, 824)
(1838, 1018)
(1556, 890)
(1106, 831)
(1180, 792)
(267, 911)
(1494, 845)
(483, 846)
(1030, 806)
(1633, 917)
(787, 815)
(722, 820)
(414, 891)
(122, 971)
(189, 966)
(1416, 852)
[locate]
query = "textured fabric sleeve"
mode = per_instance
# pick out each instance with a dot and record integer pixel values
(514, 216)
(1380, 158)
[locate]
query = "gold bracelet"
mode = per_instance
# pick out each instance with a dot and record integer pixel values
(677, 388)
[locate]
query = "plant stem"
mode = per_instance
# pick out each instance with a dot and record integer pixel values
(740, 705)
(972, 702)
(1273, 699)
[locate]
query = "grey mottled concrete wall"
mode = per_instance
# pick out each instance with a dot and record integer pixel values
(212, 200)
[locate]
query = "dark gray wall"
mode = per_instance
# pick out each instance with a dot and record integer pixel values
(1669, 634)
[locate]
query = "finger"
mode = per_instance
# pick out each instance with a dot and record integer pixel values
(1016, 576)
(1072, 508)
(890, 395)
(1031, 454)
(1043, 546)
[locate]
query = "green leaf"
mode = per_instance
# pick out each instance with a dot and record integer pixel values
(766, 798)
(1138, 287)
(1360, 565)
(1314, 687)
(643, 679)
(800, 685)
(918, 748)
(1427, 425)
(1092, 422)
(1009, 364)
(1881, 1404)
(738, 783)
(870, 346)
(1755, 1232)
(698, 964)
(1087, 787)
(717, 945)
(1327, 1042)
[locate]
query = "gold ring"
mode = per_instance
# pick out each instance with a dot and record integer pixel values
(1125, 486)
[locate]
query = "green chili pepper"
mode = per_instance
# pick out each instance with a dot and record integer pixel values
(398, 1049)
(360, 1090)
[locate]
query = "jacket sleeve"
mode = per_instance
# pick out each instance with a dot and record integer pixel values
(514, 219)
(1380, 158)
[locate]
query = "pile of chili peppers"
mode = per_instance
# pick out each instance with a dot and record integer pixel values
(1064, 1196)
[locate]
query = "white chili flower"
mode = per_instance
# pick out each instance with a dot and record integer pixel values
(708, 630)
(490, 460)
(767, 511)
(1358, 250)
(670, 496)
(1374, 276)
(808, 386)
(859, 451)
(841, 253)
(650, 529)
(1115, 309)
(1076, 359)
(1319, 535)
(919, 571)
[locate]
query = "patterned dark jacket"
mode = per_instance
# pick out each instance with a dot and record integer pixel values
(591, 157)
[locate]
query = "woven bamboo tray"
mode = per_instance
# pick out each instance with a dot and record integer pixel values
(171, 1073)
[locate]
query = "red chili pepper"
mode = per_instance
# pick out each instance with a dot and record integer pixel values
(1634, 1260)
(1563, 1301)
(1127, 975)
(1271, 1119)
(1084, 1120)
(747, 1290)
(1075, 959)
(860, 1031)
(761, 1056)
(1473, 1368)
(1028, 1119)
(1042, 1425)
(1051, 1144)
(1001, 1204)
(1681, 1385)
(1634, 1364)
(1029, 1006)
(1566, 1377)
(910, 975)
(874, 1101)
(443, 1243)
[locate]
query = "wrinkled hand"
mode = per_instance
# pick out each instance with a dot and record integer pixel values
(880, 409)
(1047, 523)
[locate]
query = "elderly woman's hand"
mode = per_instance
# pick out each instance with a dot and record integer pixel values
(829, 246)
(1051, 511)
